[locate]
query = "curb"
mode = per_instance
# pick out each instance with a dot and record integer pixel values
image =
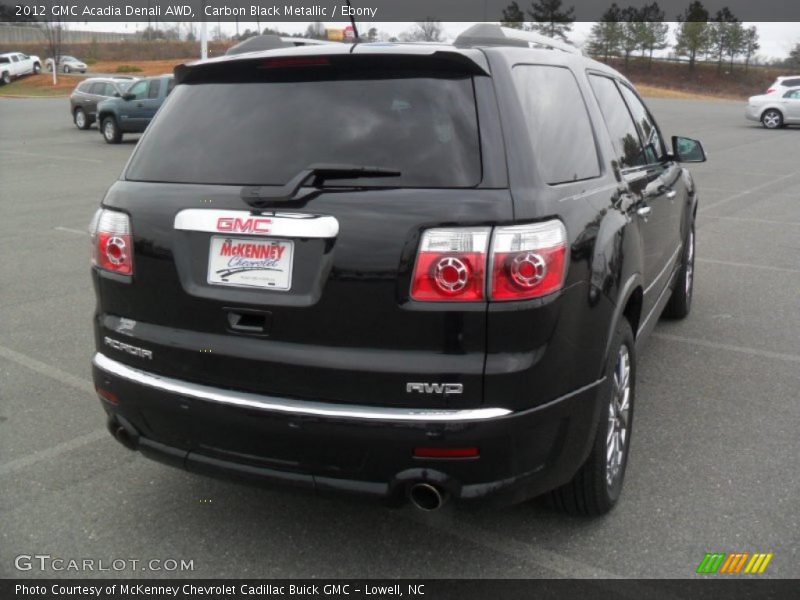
(40, 97)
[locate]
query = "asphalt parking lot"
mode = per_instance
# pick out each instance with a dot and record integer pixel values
(714, 460)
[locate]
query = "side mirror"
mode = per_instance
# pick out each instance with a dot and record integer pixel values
(128, 97)
(687, 150)
(116, 95)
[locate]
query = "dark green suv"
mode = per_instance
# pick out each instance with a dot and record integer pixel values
(133, 111)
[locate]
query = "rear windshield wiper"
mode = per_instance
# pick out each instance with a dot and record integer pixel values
(315, 175)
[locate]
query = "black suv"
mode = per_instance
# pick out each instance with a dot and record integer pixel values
(410, 271)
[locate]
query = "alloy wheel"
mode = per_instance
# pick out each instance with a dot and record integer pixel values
(689, 281)
(772, 119)
(619, 410)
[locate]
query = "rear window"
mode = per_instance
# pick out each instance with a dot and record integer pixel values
(4, 60)
(259, 133)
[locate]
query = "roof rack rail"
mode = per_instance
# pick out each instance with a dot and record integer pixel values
(488, 34)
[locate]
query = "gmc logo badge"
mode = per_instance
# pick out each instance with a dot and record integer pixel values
(248, 225)
(435, 388)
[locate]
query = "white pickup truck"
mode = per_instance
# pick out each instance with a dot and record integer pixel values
(17, 64)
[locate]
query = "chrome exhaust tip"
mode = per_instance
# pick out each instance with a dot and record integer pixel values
(425, 496)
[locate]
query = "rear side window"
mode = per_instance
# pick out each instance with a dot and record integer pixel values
(624, 136)
(85, 87)
(559, 125)
(170, 85)
(265, 133)
(152, 90)
(4, 60)
(98, 88)
(790, 82)
(653, 148)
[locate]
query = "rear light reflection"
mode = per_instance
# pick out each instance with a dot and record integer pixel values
(112, 242)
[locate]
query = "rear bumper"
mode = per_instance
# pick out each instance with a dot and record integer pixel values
(349, 448)
(752, 113)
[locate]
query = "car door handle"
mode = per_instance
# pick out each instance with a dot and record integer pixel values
(644, 212)
(671, 194)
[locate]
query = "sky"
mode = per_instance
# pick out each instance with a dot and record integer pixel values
(776, 39)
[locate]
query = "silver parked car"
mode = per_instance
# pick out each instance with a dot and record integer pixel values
(774, 110)
(68, 64)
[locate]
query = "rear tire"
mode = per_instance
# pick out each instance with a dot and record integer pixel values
(5, 78)
(37, 68)
(772, 119)
(596, 487)
(110, 130)
(680, 303)
(81, 120)
(66, 69)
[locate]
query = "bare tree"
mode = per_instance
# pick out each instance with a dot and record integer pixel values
(425, 31)
(53, 32)
(750, 45)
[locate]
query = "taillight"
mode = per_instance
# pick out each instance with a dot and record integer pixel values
(528, 260)
(770, 90)
(450, 265)
(112, 247)
(525, 261)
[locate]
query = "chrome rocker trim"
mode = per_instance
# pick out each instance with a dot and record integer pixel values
(286, 405)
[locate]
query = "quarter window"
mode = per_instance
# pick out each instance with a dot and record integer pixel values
(794, 95)
(559, 125)
(624, 136)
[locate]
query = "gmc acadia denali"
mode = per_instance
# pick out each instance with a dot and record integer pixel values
(410, 271)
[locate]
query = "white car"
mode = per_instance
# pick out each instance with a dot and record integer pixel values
(67, 64)
(783, 83)
(774, 110)
(17, 64)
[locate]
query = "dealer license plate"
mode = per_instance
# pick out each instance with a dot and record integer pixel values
(249, 262)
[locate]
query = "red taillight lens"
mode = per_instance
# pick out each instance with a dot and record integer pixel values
(528, 260)
(433, 452)
(295, 61)
(112, 243)
(450, 265)
(770, 90)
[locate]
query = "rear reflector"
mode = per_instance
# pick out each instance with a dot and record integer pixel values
(112, 243)
(106, 395)
(467, 452)
(450, 265)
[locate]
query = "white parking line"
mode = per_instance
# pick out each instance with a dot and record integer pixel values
(729, 347)
(69, 230)
(52, 156)
(753, 220)
(746, 265)
(53, 451)
(704, 208)
(546, 559)
(62, 377)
